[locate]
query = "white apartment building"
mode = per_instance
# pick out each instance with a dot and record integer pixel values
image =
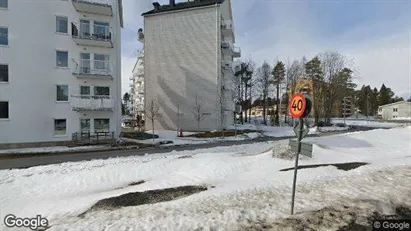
(137, 86)
(398, 110)
(188, 65)
(60, 70)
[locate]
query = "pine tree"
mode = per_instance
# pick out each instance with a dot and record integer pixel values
(278, 74)
(313, 71)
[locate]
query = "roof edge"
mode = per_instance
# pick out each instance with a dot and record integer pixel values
(182, 6)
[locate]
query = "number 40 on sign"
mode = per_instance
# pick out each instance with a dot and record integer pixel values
(300, 106)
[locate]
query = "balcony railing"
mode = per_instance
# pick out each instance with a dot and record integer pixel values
(227, 28)
(236, 52)
(93, 69)
(91, 103)
(102, 7)
(86, 34)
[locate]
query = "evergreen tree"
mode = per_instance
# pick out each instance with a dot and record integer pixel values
(278, 74)
(313, 71)
(385, 95)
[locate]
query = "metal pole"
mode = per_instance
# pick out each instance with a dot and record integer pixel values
(178, 119)
(300, 134)
(344, 110)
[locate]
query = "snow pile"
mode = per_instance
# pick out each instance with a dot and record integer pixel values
(249, 188)
(402, 118)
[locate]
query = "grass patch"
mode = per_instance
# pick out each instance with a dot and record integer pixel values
(341, 166)
(136, 135)
(146, 197)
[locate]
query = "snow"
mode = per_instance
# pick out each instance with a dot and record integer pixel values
(54, 149)
(402, 118)
(366, 123)
(249, 187)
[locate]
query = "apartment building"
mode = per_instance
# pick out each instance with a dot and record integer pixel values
(395, 111)
(137, 87)
(188, 64)
(60, 69)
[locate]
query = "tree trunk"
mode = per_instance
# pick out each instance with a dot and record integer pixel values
(277, 111)
(152, 125)
(245, 102)
(264, 109)
(249, 104)
(241, 102)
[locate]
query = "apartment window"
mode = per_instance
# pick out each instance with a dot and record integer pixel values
(60, 127)
(85, 63)
(85, 125)
(85, 92)
(101, 91)
(101, 62)
(62, 58)
(101, 30)
(4, 73)
(4, 36)
(4, 4)
(102, 125)
(62, 93)
(61, 24)
(395, 109)
(4, 110)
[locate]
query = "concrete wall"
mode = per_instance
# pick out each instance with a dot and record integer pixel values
(33, 75)
(182, 61)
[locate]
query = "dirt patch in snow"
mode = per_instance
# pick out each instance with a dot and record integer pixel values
(132, 184)
(146, 197)
(284, 152)
(184, 157)
(340, 166)
(340, 217)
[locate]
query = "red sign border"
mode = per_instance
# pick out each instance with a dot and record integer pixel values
(299, 115)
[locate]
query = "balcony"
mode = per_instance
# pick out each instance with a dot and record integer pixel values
(228, 83)
(91, 103)
(85, 34)
(93, 69)
(140, 35)
(236, 52)
(101, 7)
(229, 49)
(227, 28)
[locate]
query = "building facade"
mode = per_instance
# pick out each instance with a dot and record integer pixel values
(60, 69)
(188, 65)
(137, 87)
(398, 110)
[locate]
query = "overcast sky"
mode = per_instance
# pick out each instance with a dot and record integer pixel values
(376, 34)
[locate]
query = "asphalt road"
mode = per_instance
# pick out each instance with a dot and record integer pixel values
(26, 162)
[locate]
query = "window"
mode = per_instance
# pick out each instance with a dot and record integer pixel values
(85, 125)
(101, 125)
(102, 91)
(62, 58)
(85, 63)
(60, 127)
(4, 110)
(61, 24)
(101, 62)
(4, 4)
(84, 28)
(4, 36)
(4, 73)
(101, 30)
(85, 92)
(62, 93)
(395, 109)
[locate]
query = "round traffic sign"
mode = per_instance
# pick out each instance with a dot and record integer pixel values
(297, 105)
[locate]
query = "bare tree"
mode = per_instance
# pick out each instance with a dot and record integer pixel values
(263, 81)
(198, 111)
(332, 64)
(152, 112)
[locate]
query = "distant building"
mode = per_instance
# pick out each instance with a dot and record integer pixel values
(396, 110)
(137, 87)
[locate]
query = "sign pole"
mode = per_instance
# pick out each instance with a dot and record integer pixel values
(300, 134)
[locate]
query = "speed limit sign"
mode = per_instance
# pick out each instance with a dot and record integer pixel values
(297, 105)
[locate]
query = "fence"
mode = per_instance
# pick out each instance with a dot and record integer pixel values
(93, 138)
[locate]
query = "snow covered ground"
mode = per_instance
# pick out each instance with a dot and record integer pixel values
(366, 123)
(53, 149)
(249, 188)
